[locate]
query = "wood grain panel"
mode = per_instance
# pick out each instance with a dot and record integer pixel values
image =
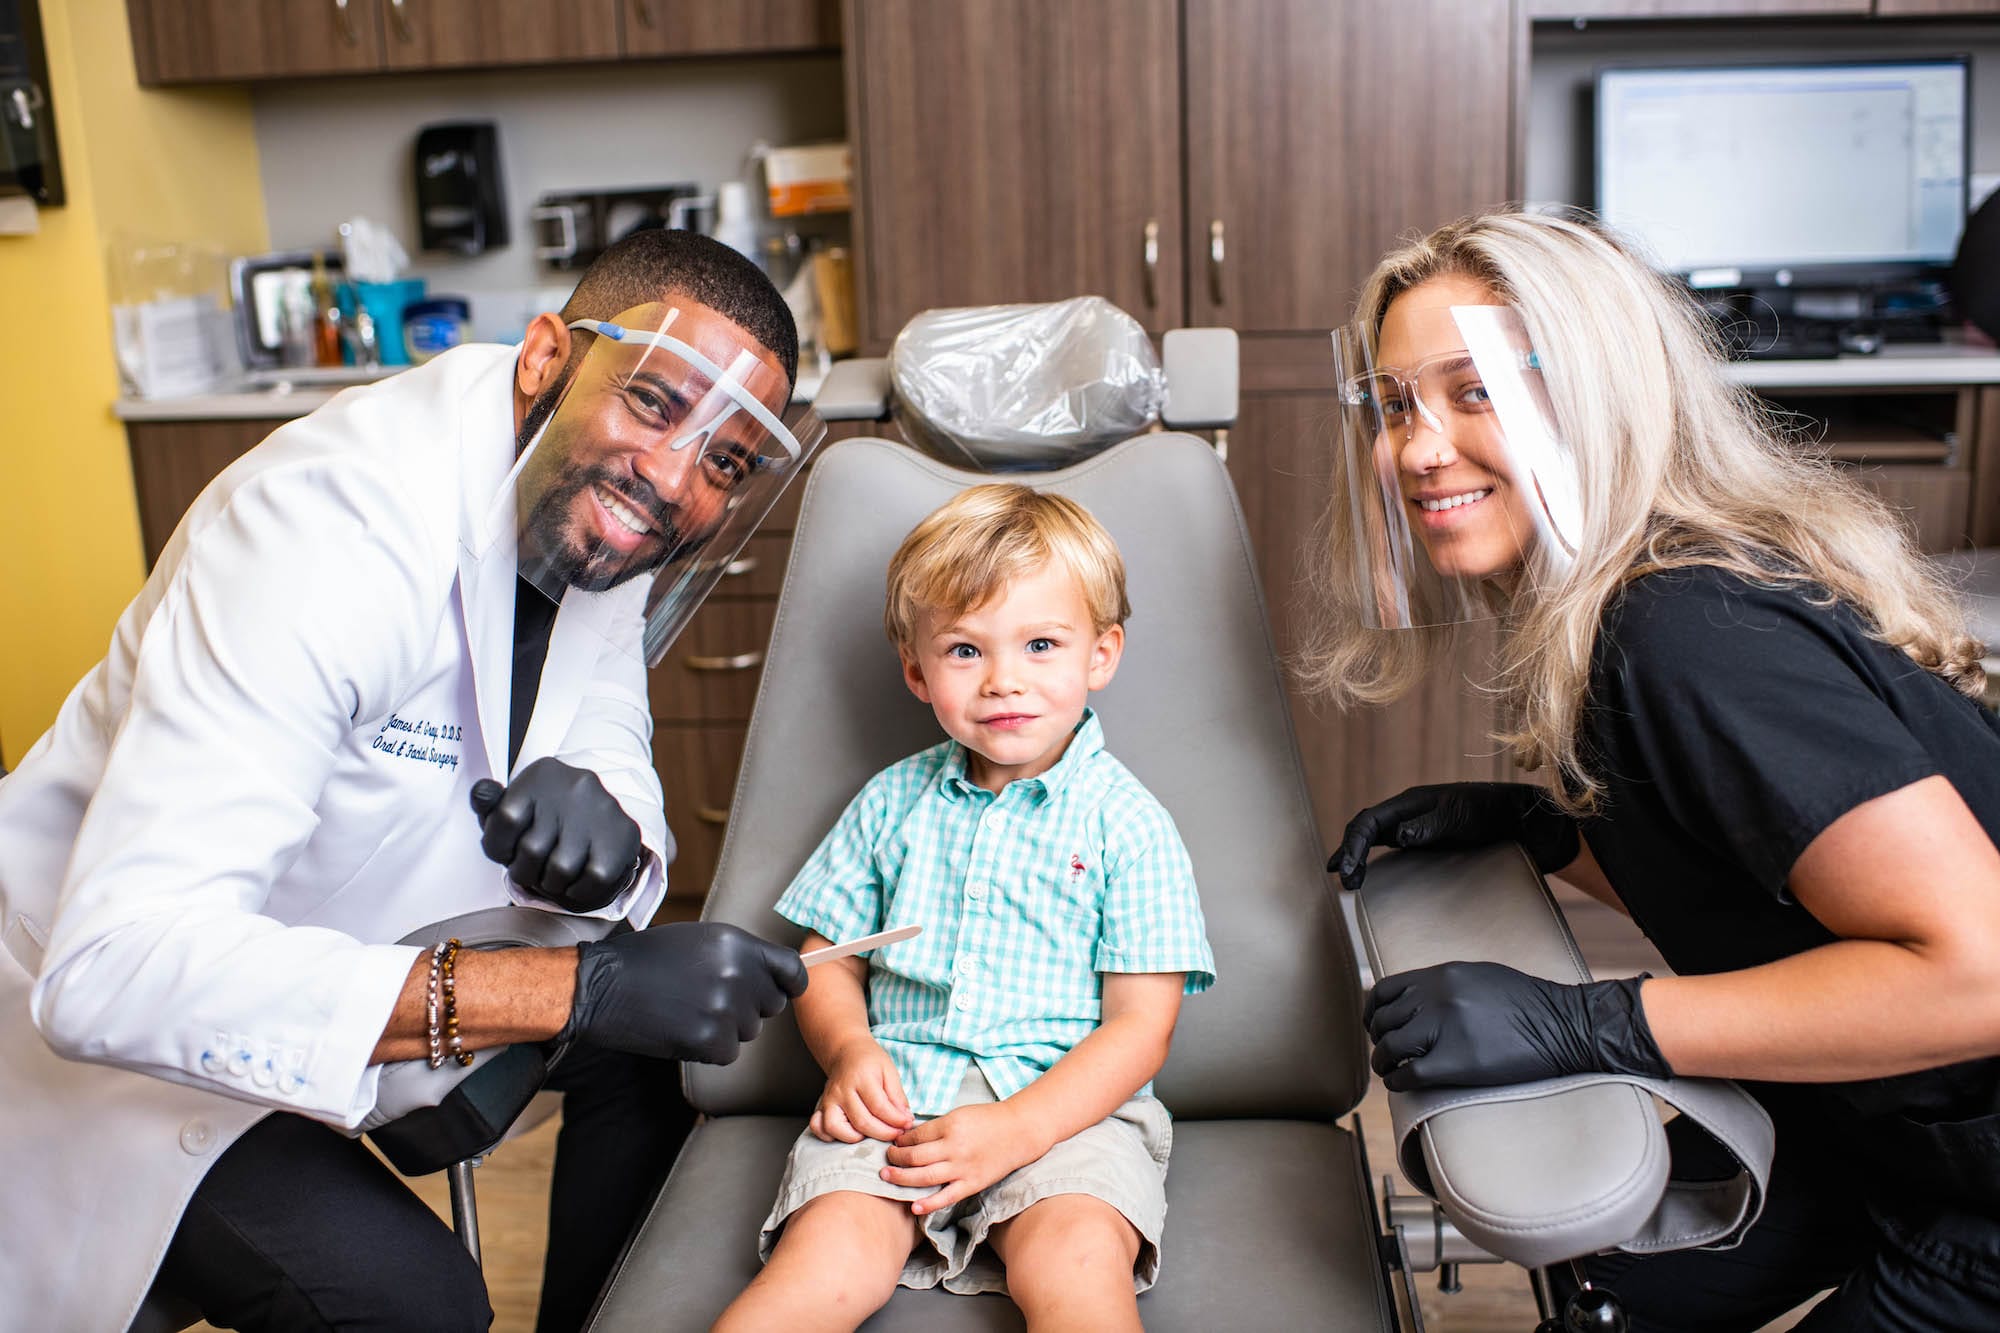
(1015, 150)
(173, 460)
(689, 686)
(1319, 133)
(1281, 456)
(1985, 453)
(1940, 8)
(192, 41)
(697, 765)
(1703, 9)
(1935, 501)
(451, 34)
(722, 27)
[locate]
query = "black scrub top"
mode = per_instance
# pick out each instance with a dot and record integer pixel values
(534, 620)
(1731, 723)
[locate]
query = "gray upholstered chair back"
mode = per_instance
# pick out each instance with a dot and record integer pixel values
(1197, 711)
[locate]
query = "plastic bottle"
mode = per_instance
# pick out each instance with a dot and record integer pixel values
(736, 221)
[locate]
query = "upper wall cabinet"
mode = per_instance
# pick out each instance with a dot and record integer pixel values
(1026, 150)
(225, 41)
(450, 34)
(1318, 133)
(192, 41)
(1015, 150)
(719, 27)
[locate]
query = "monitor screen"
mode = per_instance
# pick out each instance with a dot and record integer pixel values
(1774, 167)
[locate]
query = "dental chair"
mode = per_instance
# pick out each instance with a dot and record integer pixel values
(1273, 1223)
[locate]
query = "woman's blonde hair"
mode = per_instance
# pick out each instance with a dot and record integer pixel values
(968, 551)
(1677, 467)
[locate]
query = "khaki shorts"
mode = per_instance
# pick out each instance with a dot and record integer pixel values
(1121, 1159)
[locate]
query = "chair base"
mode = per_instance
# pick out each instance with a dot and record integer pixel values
(1268, 1226)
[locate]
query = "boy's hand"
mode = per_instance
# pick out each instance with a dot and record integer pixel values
(962, 1152)
(863, 1097)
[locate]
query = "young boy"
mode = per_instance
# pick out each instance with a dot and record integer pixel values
(987, 1121)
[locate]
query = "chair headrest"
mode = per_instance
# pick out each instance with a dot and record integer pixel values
(1011, 387)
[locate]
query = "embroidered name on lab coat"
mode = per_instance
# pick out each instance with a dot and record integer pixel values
(421, 741)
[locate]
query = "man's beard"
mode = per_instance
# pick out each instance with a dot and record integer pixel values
(550, 524)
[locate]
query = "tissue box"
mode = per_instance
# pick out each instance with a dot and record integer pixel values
(811, 178)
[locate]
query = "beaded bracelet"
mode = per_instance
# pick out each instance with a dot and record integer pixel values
(457, 1044)
(431, 1006)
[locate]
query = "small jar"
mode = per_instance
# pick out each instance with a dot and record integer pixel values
(434, 325)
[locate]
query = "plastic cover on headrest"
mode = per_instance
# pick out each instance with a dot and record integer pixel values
(1013, 387)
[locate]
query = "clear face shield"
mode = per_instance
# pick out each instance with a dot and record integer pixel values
(1458, 483)
(660, 459)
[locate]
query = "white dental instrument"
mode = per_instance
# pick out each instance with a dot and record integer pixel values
(862, 945)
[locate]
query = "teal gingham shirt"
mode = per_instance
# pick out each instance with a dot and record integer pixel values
(1024, 898)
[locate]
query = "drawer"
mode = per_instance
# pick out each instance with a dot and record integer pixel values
(697, 766)
(759, 571)
(711, 672)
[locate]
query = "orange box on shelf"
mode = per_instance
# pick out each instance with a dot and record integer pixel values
(811, 178)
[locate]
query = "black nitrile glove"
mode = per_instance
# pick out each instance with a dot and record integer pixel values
(693, 991)
(1479, 1024)
(561, 836)
(1460, 814)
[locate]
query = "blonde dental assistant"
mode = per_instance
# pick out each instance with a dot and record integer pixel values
(1759, 703)
(204, 863)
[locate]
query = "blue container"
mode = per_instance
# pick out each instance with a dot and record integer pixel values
(385, 302)
(434, 325)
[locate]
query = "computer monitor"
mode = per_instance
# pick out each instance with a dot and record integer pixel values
(1814, 174)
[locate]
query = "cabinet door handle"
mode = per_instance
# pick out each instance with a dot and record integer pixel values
(399, 15)
(23, 106)
(739, 566)
(344, 21)
(737, 662)
(644, 11)
(709, 814)
(1215, 258)
(1152, 253)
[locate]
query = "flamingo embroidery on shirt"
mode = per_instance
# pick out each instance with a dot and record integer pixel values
(1076, 867)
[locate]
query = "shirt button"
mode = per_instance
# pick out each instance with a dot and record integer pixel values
(975, 891)
(968, 965)
(211, 1063)
(197, 1138)
(264, 1075)
(239, 1062)
(961, 1001)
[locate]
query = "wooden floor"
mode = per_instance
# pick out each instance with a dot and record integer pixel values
(513, 1185)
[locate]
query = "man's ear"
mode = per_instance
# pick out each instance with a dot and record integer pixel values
(913, 675)
(544, 352)
(1104, 656)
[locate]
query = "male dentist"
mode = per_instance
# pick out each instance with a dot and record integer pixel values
(452, 578)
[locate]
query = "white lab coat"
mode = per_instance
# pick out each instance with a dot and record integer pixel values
(205, 862)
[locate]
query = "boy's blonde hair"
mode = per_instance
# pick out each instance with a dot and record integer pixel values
(964, 555)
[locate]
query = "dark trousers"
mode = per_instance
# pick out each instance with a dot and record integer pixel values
(297, 1227)
(1914, 1269)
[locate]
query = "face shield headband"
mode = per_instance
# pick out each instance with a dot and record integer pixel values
(654, 467)
(1457, 483)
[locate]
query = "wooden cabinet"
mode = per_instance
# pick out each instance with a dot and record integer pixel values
(196, 41)
(1702, 9)
(1027, 150)
(1937, 8)
(225, 41)
(1318, 133)
(1015, 150)
(173, 460)
(452, 34)
(727, 27)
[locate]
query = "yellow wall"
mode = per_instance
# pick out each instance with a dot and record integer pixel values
(158, 165)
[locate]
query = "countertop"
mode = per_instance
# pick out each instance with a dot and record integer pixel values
(279, 395)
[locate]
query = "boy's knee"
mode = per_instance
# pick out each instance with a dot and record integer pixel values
(853, 1243)
(1073, 1232)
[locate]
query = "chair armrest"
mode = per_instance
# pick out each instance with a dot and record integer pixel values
(1565, 1167)
(856, 390)
(426, 1119)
